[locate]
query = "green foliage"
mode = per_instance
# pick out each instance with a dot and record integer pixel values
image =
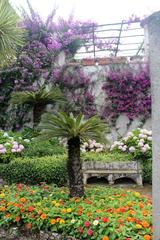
(43, 148)
(41, 96)
(11, 36)
(107, 157)
(68, 126)
(147, 170)
(137, 143)
(36, 170)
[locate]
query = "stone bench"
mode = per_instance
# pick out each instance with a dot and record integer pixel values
(112, 171)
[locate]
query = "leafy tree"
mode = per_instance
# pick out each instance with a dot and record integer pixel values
(38, 100)
(75, 130)
(11, 36)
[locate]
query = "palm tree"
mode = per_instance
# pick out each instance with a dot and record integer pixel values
(11, 36)
(75, 130)
(37, 100)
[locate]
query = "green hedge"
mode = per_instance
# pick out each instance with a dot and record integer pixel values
(33, 171)
(107, 157)
(43, 148)
(52, 169)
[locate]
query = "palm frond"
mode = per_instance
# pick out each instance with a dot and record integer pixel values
(68, 126)
(11, 36)
(41, 96)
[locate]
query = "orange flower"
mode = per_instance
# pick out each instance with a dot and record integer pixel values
(2, 209)
(17, 205)
(58, 219)
(130, 219)
(145, 224)
(43, 216)
(98, 210)
(132, 212)
(79, 213)
(8, 215)
(39, 212)
(141, 205)
(105, 238)
(63, 211)
(17, 219)
(29, 225)
(22, 200)
(9, 203)
(89, 214)
(144, 212)
(53, 221)
(147, 237)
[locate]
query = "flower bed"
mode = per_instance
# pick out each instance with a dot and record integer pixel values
(104, 213)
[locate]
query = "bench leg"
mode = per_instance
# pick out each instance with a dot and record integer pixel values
(110, 179)
(85, 177)
(139, 180)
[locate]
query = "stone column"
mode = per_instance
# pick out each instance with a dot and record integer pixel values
(153, 23)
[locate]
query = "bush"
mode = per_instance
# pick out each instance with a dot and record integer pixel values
(33, 171)
(11, 145)
(147, 171)
(137, 143)
(44, 148)
(107, 157)
(103, 214)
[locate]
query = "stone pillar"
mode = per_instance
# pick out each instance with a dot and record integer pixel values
(153, 23)
(146, 43)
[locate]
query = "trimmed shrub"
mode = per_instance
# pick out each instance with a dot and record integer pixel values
(45, 148)
(107, 157)
(33, 171)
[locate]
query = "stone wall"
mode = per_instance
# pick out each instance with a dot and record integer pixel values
(97, 69)
(13, 233)
(123, 124)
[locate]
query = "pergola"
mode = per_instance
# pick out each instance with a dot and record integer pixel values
(123, 39)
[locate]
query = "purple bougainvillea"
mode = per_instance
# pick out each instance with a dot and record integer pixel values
(127, 91)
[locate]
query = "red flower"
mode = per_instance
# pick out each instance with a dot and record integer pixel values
(30, 209)
(90, 232)
(87, 224)
(17, 219)
(80, 230)
(104, 219)
(29, 225)
(22, 210)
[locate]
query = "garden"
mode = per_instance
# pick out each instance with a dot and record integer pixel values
(51, 125)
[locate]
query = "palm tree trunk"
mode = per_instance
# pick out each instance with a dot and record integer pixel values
(38, 110)
(74, 167)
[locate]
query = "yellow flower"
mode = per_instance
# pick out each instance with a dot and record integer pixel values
(54, 202)
(69, 210)
(138, 226)
(58, 219)
(2, 195)
(137, 194)
(61, 221)
(57, 205)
